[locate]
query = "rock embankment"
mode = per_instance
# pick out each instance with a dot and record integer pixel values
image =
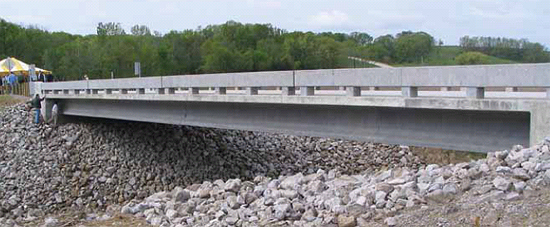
(88, 167)
(330, 198)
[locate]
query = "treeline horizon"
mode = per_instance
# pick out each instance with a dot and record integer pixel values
(228, 47)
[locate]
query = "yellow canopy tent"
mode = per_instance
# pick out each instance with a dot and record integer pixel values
(18, 67)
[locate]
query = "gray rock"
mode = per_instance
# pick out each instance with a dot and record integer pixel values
(450, 188)
(390, 221)
(513, 196)
(232, 202)
(182, 196)
(310, 215)
(231, 220)
(503, 169)
(521, 174)
(51, 222)
(385, 187)
(233, 185)
(346, 221)
(501, 183)
(282, 210)
(292, 181)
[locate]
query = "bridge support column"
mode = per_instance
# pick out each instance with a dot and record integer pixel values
(409, 91)
(171, 91)
(193, 91)
(540, 119)
(123, 91)
(161, 91)
(511, 89)
(88, 91)
(475, 92)
(95, 91)
(353, 91)
(141, 91)
(445, 88)
(252, 90)
(307, 91)
(289, 90)
(76, 91)
(108, 91)
(221, 90)
(55, 92)
(65, 92)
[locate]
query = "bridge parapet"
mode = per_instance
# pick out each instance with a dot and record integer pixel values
(473, 79)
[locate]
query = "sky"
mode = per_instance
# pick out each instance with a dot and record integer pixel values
(447, 20)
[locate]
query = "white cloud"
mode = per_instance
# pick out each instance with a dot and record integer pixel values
(329, 19)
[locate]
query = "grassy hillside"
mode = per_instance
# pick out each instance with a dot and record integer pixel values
(445, 55)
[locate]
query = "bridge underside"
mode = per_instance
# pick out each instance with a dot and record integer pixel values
(471, 130)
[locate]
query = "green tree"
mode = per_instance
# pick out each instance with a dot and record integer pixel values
(412, 47)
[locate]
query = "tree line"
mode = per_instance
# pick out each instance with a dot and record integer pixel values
(520, 50)
(228, 47)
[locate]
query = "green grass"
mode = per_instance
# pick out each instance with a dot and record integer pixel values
(6, 100)
(445, 55)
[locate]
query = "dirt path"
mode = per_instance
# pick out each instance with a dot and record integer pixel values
(379, 64)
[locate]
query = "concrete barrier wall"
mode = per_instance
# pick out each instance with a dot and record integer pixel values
(126, 83)
(81, 84)
(513, 75)
(252, 79)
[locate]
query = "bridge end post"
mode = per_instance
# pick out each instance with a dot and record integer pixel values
(307, 91)
(540, 121)
(221, 90)
(289, 90)
(161, 91)
(353, 91)
(193, 91)
(475, 92)
(409, 91)
(252, 90)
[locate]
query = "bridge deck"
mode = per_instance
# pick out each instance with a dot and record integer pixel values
(402, 105)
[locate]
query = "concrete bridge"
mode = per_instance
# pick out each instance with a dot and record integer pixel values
(453, 107)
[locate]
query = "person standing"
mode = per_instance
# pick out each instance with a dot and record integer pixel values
(55, 111)
(12, 80)
(36, 104)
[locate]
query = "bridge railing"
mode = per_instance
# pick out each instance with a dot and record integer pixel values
(474, 79)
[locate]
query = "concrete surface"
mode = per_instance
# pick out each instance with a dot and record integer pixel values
(470, 119)
(452, 123)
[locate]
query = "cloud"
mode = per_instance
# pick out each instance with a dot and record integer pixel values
(329, 19)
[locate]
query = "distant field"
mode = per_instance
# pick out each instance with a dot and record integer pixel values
(445, 55)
